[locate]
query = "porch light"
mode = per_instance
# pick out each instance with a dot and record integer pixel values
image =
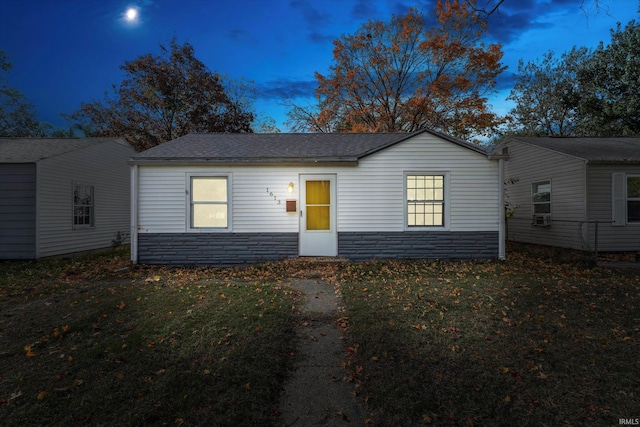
(290, 188)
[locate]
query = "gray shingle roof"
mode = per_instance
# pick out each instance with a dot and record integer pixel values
(593, 150)
(278, 147)
(32, 150)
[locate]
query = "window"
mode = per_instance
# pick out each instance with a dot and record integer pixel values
(209, 202)
(318, 204)
(425, 200)
(633, 199)
(541, 197)
(83, 209)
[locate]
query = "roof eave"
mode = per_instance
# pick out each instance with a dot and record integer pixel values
(404, 137)
(172, 161)
(614, 162)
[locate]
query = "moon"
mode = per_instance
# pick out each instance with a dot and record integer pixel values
(131, 15)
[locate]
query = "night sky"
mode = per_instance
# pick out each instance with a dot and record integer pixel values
(65, 52)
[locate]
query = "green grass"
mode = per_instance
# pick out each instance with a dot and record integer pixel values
(81, 345)
(528, 342)
(536, 340)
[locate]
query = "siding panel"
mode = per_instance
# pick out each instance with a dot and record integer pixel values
(17, 211)
(528, 164)
(105, 167)
(610, 238)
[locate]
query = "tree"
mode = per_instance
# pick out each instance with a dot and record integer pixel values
(17, 115)
(402, 76)
(164, 97)
(610, 84)
(546, 95)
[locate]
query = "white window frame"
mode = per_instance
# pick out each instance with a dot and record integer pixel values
(92, 206)
(446, 217)
(189, 204)
(628, 199)
(550, 202)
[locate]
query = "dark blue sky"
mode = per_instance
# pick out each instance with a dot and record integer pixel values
(66, 52)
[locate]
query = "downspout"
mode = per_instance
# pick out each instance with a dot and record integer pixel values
(501, 213)
(134, 214)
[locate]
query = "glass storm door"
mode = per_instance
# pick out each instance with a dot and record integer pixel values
(318, 234)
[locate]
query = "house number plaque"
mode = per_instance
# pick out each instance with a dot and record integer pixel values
(275, 198)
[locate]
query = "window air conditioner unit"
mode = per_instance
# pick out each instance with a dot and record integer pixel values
(541, 220)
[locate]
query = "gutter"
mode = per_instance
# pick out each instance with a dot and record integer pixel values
(134, 214)
(501, 214)
(199, 161)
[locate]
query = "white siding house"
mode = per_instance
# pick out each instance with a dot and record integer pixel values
(62, 195)
(235, 198)
(559, 188)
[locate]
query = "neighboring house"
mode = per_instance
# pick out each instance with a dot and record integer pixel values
(560, 188)
(62, 195)
(223, 199)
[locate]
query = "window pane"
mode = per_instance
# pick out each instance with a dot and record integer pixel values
(411, 194)
(83, 205)
(542, 208)
(318, 192)
(209, 189)
(541, 192)
(633, 187)
(425, 200)
(205, 215)
(633, 211)
(318, 218)
(425, 214)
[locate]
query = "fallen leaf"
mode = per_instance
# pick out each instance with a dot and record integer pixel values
(42, 395)
(29, 351)
(14, 395)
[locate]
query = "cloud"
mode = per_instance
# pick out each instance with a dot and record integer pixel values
(506, 80)
(363, 10)
(506, 27)
(316, 21)
(319, 38)
(240, 35)
(512, 19)
(283, 88)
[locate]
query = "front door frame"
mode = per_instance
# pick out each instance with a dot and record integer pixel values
(318, 242)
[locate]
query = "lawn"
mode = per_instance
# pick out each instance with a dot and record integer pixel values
(536, 340)
(82, 345)
(528, 342)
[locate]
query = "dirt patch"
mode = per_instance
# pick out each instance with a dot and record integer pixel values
(315, 394)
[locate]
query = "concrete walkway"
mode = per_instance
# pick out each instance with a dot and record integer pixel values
(315, 394)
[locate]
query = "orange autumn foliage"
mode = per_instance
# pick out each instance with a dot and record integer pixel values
(402, 75)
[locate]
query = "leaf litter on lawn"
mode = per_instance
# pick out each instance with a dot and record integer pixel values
(143, 345)
(526, 342)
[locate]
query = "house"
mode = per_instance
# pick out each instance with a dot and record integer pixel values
(62, 195)
(573, 192)
(224, 199)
